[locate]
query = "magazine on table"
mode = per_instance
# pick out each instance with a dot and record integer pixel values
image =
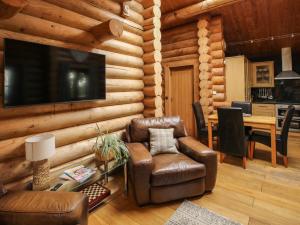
(80, 173)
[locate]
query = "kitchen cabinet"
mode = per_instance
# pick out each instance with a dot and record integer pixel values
(263, 109)
(262, 74)
(238, 80)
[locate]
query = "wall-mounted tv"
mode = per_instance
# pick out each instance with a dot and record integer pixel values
(41, 74)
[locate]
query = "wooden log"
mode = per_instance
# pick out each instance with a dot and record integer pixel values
(119, 85)
(17, 127)
(179, 30)
(152, 57)
(207, 110)
(152, 45)
(204, 50)
(135, 5)
(108, 5)
(218, 80)
(203, 32)
(206, 101)
(221, 104)
(122, 47)
(42, 28)
(153, 11)
(202, 23)
(108, 30)
(120, 72)
(204, 58)
(9, 8)
(215, 46)
(203, 41)
(150, 69)
(151, 112)
(114, 98)
(155, 102)
(216, 29)
(180, 52)
(216, 37)
(217, 20)
(205, 93)
(193, 10)
(219, 97)
(14, 147)
(132, 15)
(179, 58)
(147, 3)
(205, 75)
(219, 88)
(180, 44)
(180, 37)
(132, 38)
(217, 63)
(151, 23)
(84, 8)
(205, 67)
(205, 84)
(218, 71)
(219, 54)
(152, 91)
(152, 80)
(151, 34)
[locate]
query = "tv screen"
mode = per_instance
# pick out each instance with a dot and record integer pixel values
(39, 74)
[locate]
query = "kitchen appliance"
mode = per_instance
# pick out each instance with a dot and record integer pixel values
(280, 113)
(287, 66)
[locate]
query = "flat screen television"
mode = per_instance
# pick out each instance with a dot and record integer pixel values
(41, 74)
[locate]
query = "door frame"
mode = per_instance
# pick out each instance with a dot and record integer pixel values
(167, 76)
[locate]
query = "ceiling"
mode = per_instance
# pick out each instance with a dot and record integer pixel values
(171, 5)
(255, 19)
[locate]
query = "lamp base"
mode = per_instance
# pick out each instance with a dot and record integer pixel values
(41, 175)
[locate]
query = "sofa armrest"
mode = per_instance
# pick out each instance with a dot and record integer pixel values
(201, 153)
(140, 169)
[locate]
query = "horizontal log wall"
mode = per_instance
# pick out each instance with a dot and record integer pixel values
(68, 24)
(179, 43)
(152, 58)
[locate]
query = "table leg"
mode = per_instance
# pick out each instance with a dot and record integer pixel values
(209, 128)
(273, 145)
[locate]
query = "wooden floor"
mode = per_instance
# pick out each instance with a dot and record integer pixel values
(255, 196)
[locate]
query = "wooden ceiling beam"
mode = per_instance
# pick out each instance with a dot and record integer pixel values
(194, 10)
(9, 8)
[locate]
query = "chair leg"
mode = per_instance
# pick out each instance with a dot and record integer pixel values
(222, 156)
(285, 161)
(244, 162)
(252, 147)
(249, 150)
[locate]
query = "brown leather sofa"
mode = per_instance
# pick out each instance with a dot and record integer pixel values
(167, 177)
(39, 208)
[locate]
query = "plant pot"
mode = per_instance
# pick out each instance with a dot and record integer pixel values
(100, 158)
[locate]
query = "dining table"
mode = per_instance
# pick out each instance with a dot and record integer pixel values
(256, 122)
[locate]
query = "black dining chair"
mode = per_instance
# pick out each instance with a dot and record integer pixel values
(246, 109)
(202, 131)
(232, 138)
(281, 139)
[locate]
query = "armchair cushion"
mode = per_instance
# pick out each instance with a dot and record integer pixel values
(31, 207)
(174, 169)
(201, 153)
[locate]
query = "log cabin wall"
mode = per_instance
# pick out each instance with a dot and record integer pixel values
(68, 24)
(179, 43)
(152, 59)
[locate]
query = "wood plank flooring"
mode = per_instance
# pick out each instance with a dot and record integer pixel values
(255, 196)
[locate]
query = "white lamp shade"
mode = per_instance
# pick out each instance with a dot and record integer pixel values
(40, 147)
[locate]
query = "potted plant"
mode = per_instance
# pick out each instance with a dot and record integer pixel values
(108, 147)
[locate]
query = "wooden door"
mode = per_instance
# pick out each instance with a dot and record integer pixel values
(180, 85)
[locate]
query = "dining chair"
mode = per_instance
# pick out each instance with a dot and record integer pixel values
(202, 131)
(245, 106)
(232, 138)
(281, 139)
(246, 109)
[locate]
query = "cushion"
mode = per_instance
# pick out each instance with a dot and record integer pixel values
(139, 128)
(172, 169)
(162, 141)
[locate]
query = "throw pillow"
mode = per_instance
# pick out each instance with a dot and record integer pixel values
(162, 141)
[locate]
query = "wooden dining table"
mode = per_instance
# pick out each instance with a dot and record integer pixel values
(258, 122)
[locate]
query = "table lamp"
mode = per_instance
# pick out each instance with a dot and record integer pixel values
(38, 149)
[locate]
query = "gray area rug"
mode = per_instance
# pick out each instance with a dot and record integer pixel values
(190, 214)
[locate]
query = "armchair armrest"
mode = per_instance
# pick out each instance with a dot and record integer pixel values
(140, 169)
(201, 153)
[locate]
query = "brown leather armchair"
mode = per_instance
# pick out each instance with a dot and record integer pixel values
(167, 177)
(37, 208)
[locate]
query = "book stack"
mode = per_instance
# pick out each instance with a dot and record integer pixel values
(79, 173)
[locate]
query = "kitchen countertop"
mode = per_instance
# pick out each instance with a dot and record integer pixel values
(275, 102)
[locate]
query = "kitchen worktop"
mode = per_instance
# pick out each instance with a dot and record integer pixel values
(274, 102)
